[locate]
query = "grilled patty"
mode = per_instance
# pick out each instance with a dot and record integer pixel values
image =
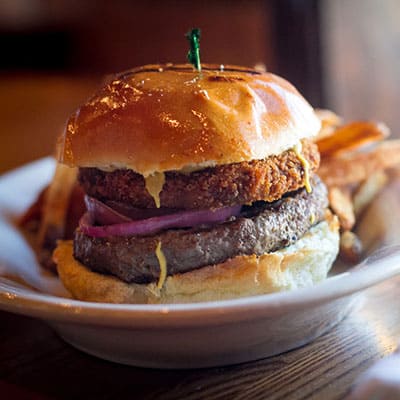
(261, 228)
(220, 186)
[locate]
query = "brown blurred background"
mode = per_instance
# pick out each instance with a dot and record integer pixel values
(341, 54)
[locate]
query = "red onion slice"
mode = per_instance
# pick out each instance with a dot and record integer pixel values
(139, 213)
(150, 226)
(101, 214)
(113, 212)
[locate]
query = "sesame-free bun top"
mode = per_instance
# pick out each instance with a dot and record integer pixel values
(171, 117)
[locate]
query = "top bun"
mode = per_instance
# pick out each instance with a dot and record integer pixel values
(159, 118)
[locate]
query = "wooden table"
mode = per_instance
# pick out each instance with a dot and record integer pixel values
(35, 363)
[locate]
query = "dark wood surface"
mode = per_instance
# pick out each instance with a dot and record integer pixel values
(35, 363)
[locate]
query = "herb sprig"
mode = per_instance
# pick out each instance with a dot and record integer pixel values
(193, 36)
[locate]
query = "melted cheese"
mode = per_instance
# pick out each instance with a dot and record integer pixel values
(163, 266)
(154, 184)
(306, 166)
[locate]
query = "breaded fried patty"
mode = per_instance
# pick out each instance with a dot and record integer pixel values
(220, 186)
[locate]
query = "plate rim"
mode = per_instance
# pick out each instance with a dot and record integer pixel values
(28, 302)
(22, 300)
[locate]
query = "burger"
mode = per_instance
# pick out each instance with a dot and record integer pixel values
(198, 187)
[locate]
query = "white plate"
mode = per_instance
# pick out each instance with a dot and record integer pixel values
(171, 336)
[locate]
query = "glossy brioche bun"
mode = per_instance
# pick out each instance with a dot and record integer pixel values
(303, 264)
(168, 117)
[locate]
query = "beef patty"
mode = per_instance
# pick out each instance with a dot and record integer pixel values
(220, 186)
(261, 228)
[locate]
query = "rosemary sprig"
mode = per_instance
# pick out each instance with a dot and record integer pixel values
(193, 36)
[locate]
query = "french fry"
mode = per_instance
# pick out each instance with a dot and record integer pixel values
(356, 167)
(329, 123)
(350, 247)
(55, 206)
(340, 202)
(352, 136)
(355, 158)
(368, 190)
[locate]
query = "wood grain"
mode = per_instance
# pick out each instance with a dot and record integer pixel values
(36, 363)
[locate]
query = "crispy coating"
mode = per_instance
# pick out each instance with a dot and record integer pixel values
(220, 186)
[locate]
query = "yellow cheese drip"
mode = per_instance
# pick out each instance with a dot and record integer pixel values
(163, 266)
(154, 184)
(306, 166)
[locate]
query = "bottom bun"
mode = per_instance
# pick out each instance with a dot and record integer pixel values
(302, 264)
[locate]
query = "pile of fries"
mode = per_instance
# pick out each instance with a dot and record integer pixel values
(55, 213)
(355, 158)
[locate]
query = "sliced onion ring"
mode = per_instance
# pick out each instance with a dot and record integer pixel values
(150, 226)
(113, 212)
(102, 214)
(139, 213)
